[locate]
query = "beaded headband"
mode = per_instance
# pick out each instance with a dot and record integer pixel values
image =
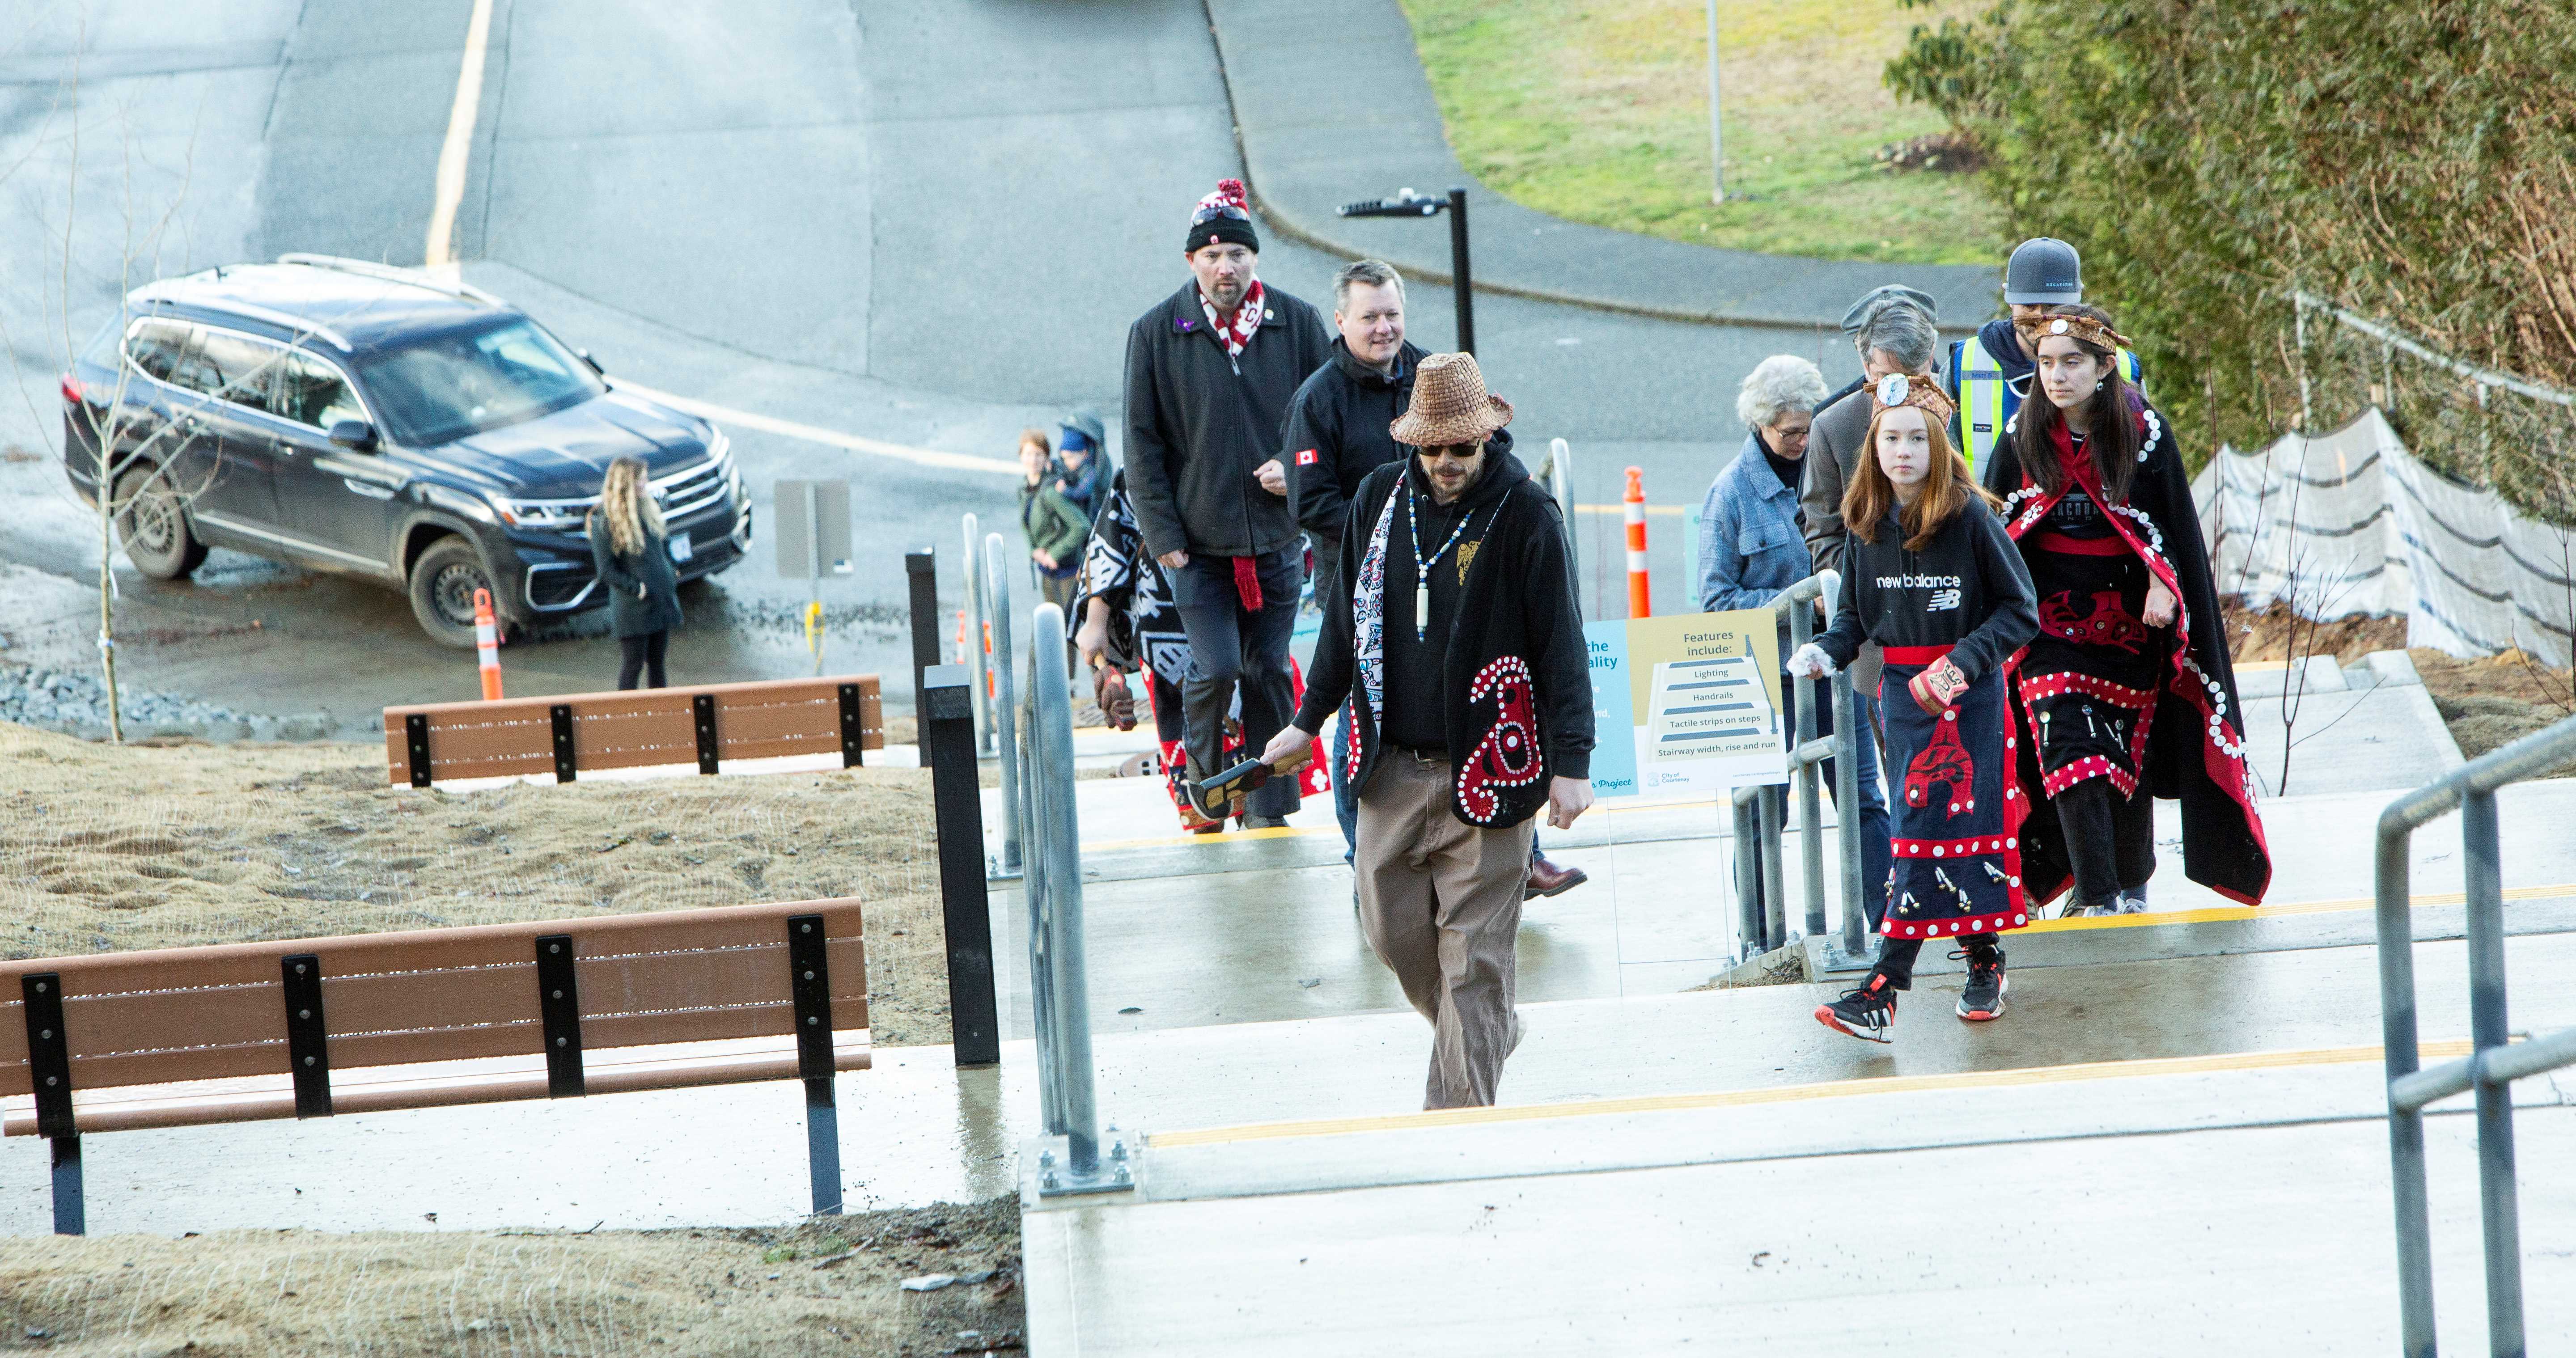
(1897, 389)
(2084, 329)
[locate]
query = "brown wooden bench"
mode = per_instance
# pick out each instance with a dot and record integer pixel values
(638, 728)
(428, 1018)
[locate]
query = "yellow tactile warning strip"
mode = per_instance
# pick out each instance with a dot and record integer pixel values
(1294, 831)
(2222, 914)
(1834, 1089)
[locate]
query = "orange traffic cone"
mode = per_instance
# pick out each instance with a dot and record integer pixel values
(487, 645)
(1640, 599)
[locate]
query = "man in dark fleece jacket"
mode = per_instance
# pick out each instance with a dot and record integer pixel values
(1209, 373)
(1336, 431)
(1459, 651)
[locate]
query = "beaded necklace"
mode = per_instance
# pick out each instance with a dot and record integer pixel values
(1422, 567)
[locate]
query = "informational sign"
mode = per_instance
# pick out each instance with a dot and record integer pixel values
(811, 525)
(1687, 704)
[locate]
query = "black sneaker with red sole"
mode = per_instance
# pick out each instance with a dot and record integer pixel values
(1867, 1012)
(1982, 998)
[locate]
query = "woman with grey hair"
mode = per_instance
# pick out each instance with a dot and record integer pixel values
(1753, 546)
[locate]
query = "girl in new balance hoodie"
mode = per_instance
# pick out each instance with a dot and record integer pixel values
(1933, 578)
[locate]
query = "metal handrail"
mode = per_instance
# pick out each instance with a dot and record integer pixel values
(997, 585)
(1758, 810)
(1059, 984)
(2494, 1063)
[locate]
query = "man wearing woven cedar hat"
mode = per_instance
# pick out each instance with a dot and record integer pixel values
(1457, 653)
(1209, 373)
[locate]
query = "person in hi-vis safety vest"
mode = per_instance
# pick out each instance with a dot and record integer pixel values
(1990, 374)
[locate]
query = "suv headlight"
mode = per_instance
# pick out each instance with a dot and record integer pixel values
(720, 452)
(562, 514)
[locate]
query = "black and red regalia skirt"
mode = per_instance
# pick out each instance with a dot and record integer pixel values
(1956, 854)
(2088, 681)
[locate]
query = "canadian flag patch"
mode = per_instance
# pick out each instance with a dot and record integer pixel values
(1305, 457)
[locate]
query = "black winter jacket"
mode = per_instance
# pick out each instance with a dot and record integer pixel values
(1516, 605)
(1199, 422)
(1336, 433)
(1967, 589)
(658, 609)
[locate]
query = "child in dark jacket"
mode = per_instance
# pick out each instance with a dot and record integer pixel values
(1933, 578)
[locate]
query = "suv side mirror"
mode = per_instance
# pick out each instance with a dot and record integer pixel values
(355, 435)
(584, 356)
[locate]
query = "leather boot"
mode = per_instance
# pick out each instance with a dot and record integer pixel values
(1550, 879)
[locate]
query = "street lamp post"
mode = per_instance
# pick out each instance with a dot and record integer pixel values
(1716, 141)
(1461, 285)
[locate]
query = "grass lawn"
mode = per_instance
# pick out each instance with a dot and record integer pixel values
(1597, 111)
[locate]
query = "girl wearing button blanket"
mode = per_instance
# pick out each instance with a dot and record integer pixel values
(1933, 579)
(2126, 695)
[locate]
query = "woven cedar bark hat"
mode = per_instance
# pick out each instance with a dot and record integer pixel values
(1450, 405)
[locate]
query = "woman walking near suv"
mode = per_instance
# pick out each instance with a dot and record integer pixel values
(630, 547)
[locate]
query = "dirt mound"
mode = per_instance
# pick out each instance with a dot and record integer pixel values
(832, 1285)
(111, 848)
(2486, 702)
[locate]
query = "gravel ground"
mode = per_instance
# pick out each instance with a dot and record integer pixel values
(76, 704)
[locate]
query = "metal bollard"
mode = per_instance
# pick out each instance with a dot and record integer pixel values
(948, 747)
(978, 624)
(1060, 985)
(921, 576)
(997, 586)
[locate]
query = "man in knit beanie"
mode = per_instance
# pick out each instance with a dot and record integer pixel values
(1209, 373)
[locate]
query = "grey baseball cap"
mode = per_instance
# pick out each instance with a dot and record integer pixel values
(2044, 270)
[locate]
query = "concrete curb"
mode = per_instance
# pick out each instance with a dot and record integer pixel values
(1337, 83)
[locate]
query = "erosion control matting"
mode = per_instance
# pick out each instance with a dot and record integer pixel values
(111, 848)
(830, 1285)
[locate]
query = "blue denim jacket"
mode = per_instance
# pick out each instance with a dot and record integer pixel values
(1750, 546)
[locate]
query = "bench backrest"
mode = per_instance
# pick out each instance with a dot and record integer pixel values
(436, 995)
(637, 728)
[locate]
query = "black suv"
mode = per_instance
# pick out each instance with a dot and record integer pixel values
(377, 422)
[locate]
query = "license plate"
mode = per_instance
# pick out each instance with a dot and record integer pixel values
(680, 548)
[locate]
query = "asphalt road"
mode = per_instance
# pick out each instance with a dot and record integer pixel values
(923, 223)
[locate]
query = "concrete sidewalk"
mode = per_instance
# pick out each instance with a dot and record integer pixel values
(2241, 1208)
(1332, 106)
(916, 1130)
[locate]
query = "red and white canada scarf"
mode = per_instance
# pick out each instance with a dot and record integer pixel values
(1247, 319)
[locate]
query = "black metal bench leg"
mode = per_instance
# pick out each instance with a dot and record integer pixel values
(823, 1146)
(69, 1218)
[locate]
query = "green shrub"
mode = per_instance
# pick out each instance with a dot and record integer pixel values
(2410, 161)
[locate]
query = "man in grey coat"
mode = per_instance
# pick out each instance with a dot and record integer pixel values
(1897, 337)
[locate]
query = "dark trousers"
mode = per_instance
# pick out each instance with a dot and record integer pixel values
(1896, 955)
(1235, 650)
(2110, 839)
(643, 654)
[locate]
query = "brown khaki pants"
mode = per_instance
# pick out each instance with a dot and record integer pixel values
(1440, 901)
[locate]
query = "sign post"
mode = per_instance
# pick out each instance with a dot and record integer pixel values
(812, 527)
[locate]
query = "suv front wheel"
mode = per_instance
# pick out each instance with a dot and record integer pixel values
(443, 582)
